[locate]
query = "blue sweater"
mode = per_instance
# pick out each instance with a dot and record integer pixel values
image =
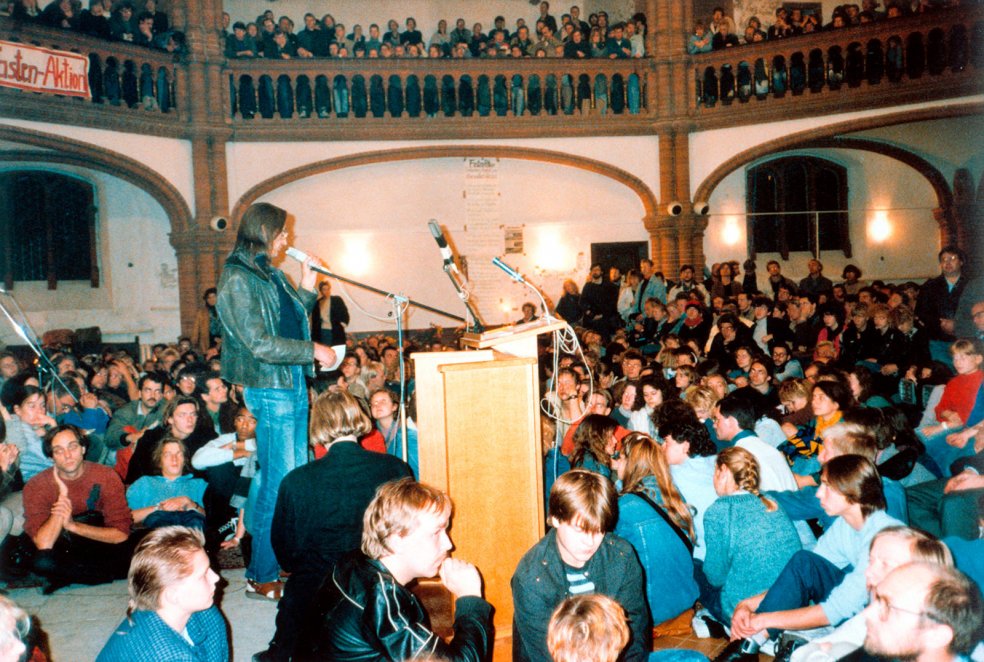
(747, 546)
(848, 550)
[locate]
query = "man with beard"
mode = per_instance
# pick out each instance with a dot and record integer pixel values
(599, 298)
(924, 612)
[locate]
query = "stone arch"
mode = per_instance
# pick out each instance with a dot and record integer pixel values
(623, 177)
(52, 149)
(830, 136)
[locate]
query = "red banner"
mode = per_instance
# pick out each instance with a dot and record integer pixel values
(36, 69)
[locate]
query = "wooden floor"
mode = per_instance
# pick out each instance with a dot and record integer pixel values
(709, 647)
(437, 602)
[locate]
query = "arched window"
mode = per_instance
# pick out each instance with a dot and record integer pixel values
(47, 228)
(797, 203)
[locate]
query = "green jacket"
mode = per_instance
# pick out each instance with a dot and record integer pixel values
(249, 308)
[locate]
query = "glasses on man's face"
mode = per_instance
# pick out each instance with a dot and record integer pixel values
(58, 451)
(884, 607)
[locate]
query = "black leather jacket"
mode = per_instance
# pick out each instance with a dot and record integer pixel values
(368, 615)
(249, 308)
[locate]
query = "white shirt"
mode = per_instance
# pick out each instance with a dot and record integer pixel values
(774, 472)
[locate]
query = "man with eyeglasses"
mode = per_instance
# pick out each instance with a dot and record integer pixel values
(924, 612)
(938, 300)
(134, 418)
(76, 515)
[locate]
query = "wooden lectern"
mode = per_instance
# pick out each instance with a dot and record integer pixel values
(478, 421)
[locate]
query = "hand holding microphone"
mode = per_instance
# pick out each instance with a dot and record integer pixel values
(309, 267)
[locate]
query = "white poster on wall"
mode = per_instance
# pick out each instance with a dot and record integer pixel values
(483, 232)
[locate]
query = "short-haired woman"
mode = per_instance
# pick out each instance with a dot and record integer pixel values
(172, 498)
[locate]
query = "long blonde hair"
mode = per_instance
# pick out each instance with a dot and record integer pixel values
(745, 469)
(644, 457)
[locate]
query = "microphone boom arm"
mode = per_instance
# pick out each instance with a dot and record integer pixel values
(417, 304)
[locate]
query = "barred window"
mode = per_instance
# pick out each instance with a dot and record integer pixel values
(797, 204)
(47, 228)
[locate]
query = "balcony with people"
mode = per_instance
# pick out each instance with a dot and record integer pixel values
(328, 78)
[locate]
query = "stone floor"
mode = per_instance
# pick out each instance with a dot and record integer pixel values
(79, 619)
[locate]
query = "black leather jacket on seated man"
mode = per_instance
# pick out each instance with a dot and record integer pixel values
(253, 354)
(368, 615)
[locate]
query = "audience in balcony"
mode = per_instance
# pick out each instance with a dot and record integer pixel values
(148, 27)
(722, 32)
(325, 38)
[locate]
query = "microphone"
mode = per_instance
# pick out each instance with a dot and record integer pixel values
(442, 243)
(512, 273)
(302, 257)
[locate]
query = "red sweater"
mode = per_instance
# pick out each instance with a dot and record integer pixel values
(41, 492)
(960, 394)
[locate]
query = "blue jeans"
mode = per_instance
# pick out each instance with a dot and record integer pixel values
(939, 455)
(281, 446)
(807, 578)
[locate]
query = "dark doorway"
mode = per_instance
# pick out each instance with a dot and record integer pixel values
(704, 8)
(624, 254)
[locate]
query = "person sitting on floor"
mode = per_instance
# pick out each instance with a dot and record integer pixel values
(578, 555)
(172, 614)
(171, 498)
(825, 586)
(404, 538)
(76, 515)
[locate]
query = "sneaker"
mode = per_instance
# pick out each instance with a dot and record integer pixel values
(739, 650)
(706, 627)
(229, 528)
(264, 590)
(699, 624)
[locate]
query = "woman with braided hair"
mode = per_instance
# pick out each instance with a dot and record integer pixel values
(655, 520)
(749, 537)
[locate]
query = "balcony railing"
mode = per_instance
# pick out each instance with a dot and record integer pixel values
(121, 75)
(934, 55)
(945, 46)
(352, 90)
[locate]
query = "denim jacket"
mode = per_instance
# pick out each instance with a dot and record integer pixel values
(249, 307)
(666, 561)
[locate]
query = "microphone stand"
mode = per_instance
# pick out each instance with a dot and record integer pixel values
(26, 333)
(406, 300)
(400, 304)
(452, 271)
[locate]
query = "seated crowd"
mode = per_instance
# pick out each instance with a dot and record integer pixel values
(720, 31)
(781, 463)
(571, 37)
(139, 23)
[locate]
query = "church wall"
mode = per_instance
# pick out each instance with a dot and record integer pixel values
(378, 234)
(713, 148)
(562, 210)
(138, 291)
(880, 189)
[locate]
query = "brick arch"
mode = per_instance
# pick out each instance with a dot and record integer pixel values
(623, 177)
(66, 151)
(827, 136)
